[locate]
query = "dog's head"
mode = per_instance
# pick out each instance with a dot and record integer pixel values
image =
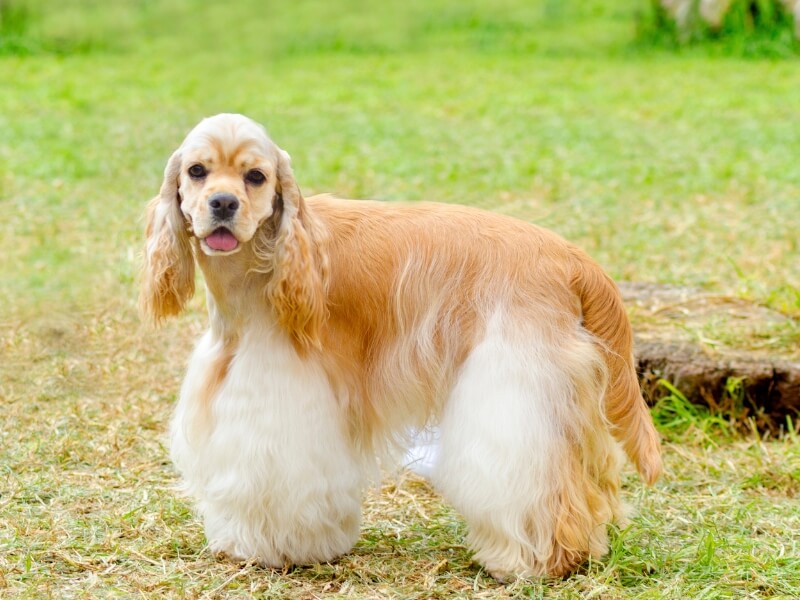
(228, 177)
(228, 185)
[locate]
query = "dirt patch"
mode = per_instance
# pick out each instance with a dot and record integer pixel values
(722, 351)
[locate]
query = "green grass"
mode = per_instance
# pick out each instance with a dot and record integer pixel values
(675, 168)
(666, 169)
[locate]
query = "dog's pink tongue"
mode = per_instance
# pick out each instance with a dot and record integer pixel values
(222, 239)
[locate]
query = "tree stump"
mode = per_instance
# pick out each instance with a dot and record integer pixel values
(672, 329)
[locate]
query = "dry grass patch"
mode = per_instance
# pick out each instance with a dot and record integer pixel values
(87, 507)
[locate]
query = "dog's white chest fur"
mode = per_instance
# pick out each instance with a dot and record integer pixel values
(270, 465)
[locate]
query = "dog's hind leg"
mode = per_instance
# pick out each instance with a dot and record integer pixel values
(526, 455)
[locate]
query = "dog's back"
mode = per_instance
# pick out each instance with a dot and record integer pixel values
(457, 265)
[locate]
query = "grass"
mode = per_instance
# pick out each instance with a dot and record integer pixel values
(673, 168)
(88, 508)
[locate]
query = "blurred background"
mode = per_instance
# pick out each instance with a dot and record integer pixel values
(662, 136)
(664, 145)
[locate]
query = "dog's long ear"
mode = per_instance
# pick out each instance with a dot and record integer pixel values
(299, 279)
(168, 273)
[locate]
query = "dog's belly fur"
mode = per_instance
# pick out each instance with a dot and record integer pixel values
(270, 467)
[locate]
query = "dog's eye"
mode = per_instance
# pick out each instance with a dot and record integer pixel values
(197, 171)
(255, 177)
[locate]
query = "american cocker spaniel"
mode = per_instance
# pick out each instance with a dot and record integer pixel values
(337, 327)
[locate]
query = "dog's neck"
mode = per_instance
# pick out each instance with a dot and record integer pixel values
(232, 288)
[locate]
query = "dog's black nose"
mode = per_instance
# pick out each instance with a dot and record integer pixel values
(223, 205)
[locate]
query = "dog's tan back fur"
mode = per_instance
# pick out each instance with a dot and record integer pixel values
(473, 261)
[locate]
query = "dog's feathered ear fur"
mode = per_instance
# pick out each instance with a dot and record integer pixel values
(299, 277)
(168, 273)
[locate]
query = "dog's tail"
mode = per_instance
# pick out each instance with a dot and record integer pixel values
(604, 317)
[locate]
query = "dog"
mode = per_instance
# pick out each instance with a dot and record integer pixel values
(339, 326)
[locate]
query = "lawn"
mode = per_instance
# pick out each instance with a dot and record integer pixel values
(668, 167)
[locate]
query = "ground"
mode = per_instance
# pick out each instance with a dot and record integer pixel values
(670, 167)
